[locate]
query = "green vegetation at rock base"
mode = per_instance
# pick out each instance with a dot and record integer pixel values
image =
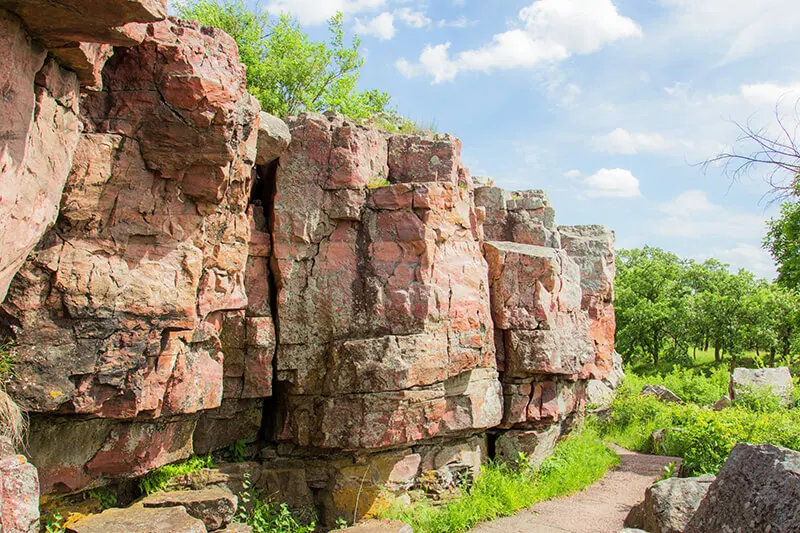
(158, 479)
(502, 489)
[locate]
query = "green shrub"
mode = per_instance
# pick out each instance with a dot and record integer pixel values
(502, 490)
(8, 359)
(266, 517)
(704, 437)
(158, 479)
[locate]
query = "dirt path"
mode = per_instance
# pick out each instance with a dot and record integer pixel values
(601, 508)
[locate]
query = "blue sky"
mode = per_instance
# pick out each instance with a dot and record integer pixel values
(605, 104)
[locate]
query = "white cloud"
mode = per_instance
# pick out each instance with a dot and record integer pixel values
(691, 215)
(770, 94)
(414, 19)
(382, 26)
(551, 31)
(748, 256)
(460, 22)
(313, 12)
(622, 141)
(616, 183)
(572, 174)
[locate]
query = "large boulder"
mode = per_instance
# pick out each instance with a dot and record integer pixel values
(80, 33)
(669, 505)
(140, 520)
(778, 381)
(19, 495)
(661, 392)
(757, 489)
(215, 506)
(385, 329)
(122, 310)
(39, 132)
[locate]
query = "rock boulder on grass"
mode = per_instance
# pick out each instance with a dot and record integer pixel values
(661, 392)
(758, 489)
(215, 506)
(777, 380)
(138, 519)
(669, 504)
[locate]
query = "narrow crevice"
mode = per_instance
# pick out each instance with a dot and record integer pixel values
(264, 191)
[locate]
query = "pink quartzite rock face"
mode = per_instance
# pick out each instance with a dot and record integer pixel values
(592, 247)
(385, 333)
(80, 33)
(19, 495)
(39, 131)
(120, 311)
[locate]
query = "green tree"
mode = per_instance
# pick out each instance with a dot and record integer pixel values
(286, 71)
(783, 242)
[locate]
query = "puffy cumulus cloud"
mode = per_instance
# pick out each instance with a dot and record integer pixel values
(612, 183)
(382, 26)
(413, 19)
(691, 215)
(748, 256)
(313, 12)
(549, 31)
(622, 141)
(434, 60)
(573, 174)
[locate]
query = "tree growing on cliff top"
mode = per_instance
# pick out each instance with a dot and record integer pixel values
(288, 72)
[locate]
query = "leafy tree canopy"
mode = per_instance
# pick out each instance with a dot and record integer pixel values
(288, 72)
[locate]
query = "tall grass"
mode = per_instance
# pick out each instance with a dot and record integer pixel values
(502, 490)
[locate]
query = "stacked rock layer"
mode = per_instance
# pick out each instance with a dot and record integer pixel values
(186, 278)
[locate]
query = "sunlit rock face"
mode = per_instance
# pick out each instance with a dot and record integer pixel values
(190, 273)
(119, 312)
(385, 333)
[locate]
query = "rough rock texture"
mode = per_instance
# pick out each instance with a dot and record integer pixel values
(120, 311)
(38, 135)
(19, 495)
(776, 380)
(140, 520)
(273, 139)
(385, 331)
(660, 392)
(757, 489)
(669, 505)
(215, 506)
(79, 33)
(592, 247)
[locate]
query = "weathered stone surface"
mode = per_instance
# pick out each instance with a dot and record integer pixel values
(757, 489)
(79, 34)
(661, 392)
(617, 373)
(273, 138)
(544, 400)
(139, 519)
(38, 135)
(385, 329)
(535, 445)
(237, 528)
(598, 393)
(215, 506)
(523, 217)
(19, 495)
(592, 247)
(778, 381)
(119, 312)
(379, 526)
(669, 505)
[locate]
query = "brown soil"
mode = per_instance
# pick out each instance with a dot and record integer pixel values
(601, 508)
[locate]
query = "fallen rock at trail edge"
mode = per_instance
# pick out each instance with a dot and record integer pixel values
(140, 520)
(758, 489)
(215, 506)
(661, 392)
(669, 504)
